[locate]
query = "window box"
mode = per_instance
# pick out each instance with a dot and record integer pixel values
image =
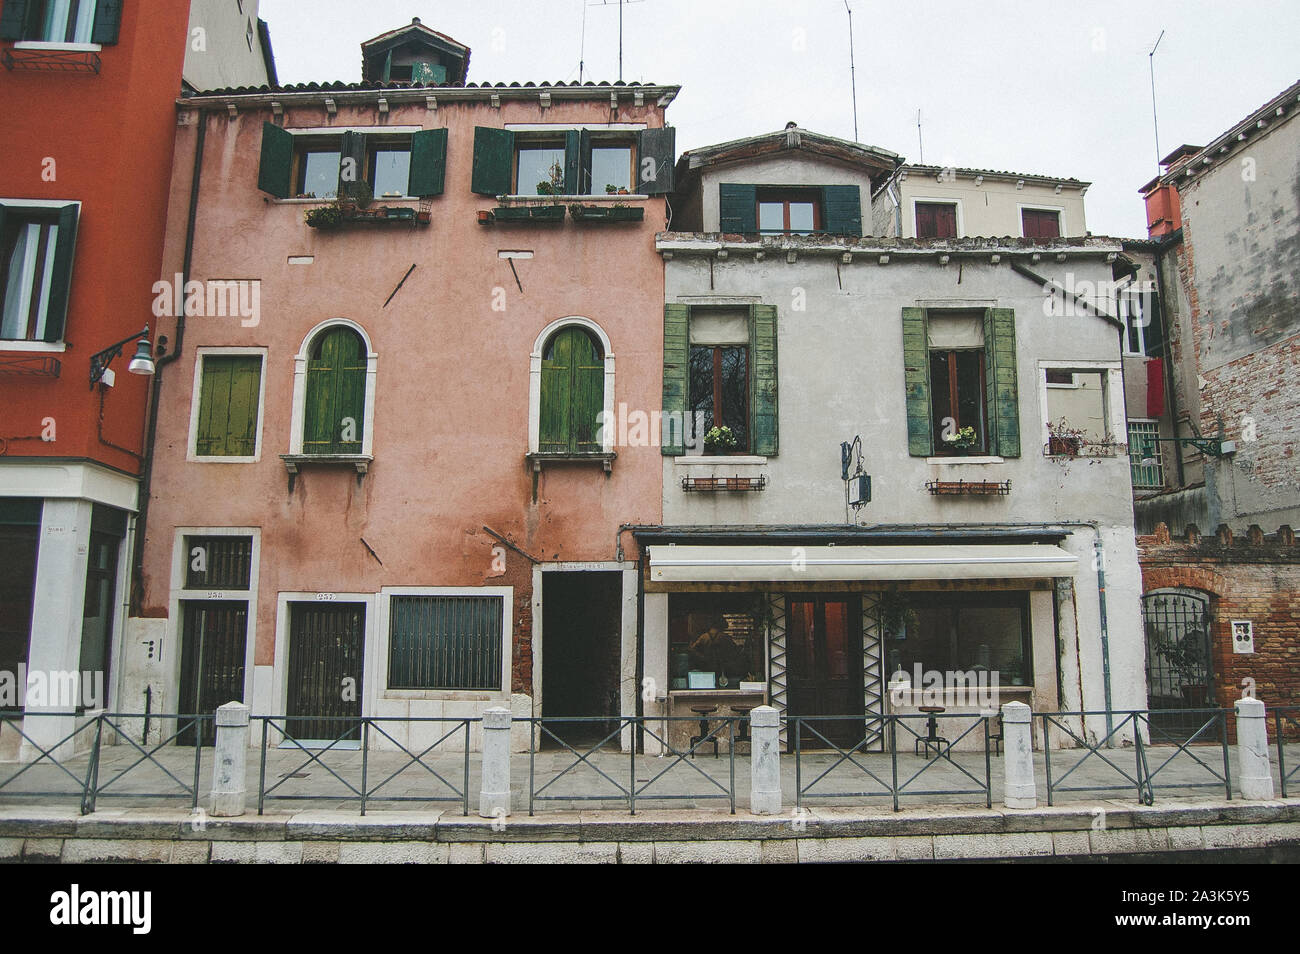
(526, 213)
(335, 215)
(605, 213)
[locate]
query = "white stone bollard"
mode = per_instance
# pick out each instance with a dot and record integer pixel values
(765, 761)
(1019, 790)
(494, 790)
(230, 760)
(1254, 768)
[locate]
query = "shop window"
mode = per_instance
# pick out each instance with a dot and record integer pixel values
(956, 635)
(715, 640)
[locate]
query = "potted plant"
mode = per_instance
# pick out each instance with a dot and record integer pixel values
(1186, 658)
(719, 440)
(1064, 440)
(325, 216)
(356, 195)
(960, 441)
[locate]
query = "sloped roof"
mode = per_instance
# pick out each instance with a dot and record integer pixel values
(791, 138)
(1280, 108)
(997, 174)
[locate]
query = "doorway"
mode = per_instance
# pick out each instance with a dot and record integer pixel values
(326, 658)
(213, 641)
(1179, 671)
(582, 625)
(825, 674)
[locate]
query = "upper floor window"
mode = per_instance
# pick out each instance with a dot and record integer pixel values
(334, 412)
(789, 211)
(719, 381)
(957, 399)
(936, 220)
(573, 393)
(748, 209)
(227, 424)
(573, 161)
(36, 252)
(1040, 223)
(61, 21)
(1145, 458)
(1139, 309)
(392, 164)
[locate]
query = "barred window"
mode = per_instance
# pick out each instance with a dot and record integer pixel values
(445, 642)
(1144, 455)
(218, 563)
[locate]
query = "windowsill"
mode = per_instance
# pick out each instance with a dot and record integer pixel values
(722, 460)
(538, 458)
(213, 459)
(44, 347)
(58, 47)
(965, 460)
(566, 199)
(377, 200)
(293, 463)
(444, 695)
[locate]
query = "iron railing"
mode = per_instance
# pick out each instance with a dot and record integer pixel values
(656, 728)
(1138, 721)
(1284, 716)
(363, 789)
(938, 750)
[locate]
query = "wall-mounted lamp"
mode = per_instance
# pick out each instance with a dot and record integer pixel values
(1211, 446)
(141, 363)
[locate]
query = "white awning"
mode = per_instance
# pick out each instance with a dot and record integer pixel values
(690, 564)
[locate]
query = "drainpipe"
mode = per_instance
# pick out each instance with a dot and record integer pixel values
(146, 482)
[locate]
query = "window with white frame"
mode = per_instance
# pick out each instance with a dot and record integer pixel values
(447, 641)
(1145, 458)
(226, 414)
(36, 252)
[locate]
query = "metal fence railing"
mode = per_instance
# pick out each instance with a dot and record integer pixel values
(1284, 718)
(347, 759)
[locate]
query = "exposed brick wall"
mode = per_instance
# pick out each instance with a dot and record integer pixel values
(1252, 576)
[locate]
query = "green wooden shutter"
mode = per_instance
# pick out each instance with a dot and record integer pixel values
(428, 74)
(61, 276)
(275, 171)
(762, 380)
(572, 162)
(336, 390)
(228, 402)
(554, 432)
(387, 74)
(12, 19)
(494, 155)
(677, 370)
(660, 147)
(584, 163)
(1001, 389)
(588, 393)
(428, 162)
(842, 210)
(352, 174)
(108, 18)
(916, 380)
(738, 208)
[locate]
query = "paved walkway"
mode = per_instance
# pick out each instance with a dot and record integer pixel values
(296, 780)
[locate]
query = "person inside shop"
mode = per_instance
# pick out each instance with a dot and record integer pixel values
(714, 651)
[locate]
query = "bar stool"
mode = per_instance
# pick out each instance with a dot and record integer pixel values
(704, 711)
(932, 736)
(742, 711)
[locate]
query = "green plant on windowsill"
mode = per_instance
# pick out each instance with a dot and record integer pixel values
(960, 441)
(720, 440)
(325, 216)
(553, 185)
(1064, 439)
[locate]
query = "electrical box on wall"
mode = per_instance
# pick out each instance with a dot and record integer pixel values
(1243, 636)
(860, 490)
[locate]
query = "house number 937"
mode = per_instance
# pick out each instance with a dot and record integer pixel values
(325, 597)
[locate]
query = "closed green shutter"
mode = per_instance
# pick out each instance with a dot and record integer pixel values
(428, 162)
(494, 154)
(572, 394)
(228, 403)
(352, 164)
(762, 380)
(428, 74)
(108, 18)
(588, 394)
(916, 381)
(61, 277)
(12, 17)
(737, 208)
(387, 74)
(842, 210)
(677, 322)
(584, 160)
(656, 155)
(1002, 393)
(555, 434)
(275, 171)
(336, 395)
(573, 162)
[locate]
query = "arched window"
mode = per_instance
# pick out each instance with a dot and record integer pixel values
(572, 393)
(335, 403)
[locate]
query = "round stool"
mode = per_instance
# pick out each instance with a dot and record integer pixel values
(704, 711)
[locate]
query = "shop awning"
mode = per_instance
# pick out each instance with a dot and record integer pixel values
(710, 564)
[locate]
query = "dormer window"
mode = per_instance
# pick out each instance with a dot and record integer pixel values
(789, 211)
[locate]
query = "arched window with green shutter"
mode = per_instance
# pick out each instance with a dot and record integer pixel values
(572, 393)
(334, 414)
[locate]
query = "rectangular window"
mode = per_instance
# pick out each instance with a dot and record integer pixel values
(445, 642)
(61, 21)
(1040, 223)
(390, 170)
(720, 389)
(717, 633)
(611, 169)
(218, 563)
(936, 220)
(318, 170)
(1061, 379)
(789, 212)
(948, 634)
(957, 399)
(229, 401)
(1145, 458)
(574, 165)
(539, 169)
(36, 253)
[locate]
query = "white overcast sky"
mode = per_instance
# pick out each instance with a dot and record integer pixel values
(1048, 87)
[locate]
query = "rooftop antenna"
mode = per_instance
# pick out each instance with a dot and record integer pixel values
(853, 78)
(582, 44)
(605, 3)
(1151, 58)
(919, 145)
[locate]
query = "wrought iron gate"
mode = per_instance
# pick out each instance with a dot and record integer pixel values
(212, 661)
(326, 656)
(1179, 670)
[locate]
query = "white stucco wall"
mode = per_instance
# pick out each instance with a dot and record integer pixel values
(793, 169)
(991, 208)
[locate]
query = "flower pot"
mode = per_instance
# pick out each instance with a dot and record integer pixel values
(484, 216)
(1064, 446)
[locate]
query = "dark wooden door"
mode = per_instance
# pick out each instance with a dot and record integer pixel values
(824, 646)
(326, 656)
(213, 641)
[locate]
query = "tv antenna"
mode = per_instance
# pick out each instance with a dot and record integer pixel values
(583, 42)
(1151, 58)
(919, 144)
(853, 76)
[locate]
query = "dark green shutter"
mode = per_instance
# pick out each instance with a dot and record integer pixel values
(762, 380)
(61, 277)
(387, 74)
(554, 433)
(336, 389)
(1153, 331)
(916, 380)
(572, 162)
(572, 394)
(354, 148)
(1002, 393)
(659, 146)
(494, 155)
(12, 18)
(428, 162)
(677, 352)
(428, 74)
(228, 402)
(588, 393)
(738, 208)
(108, 17)
(842, 210)
(275, 171)
(584, 163)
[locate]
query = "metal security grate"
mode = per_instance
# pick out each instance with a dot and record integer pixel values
(1143, 446)
(218, 563)
(445, 642)
(1179, 672)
